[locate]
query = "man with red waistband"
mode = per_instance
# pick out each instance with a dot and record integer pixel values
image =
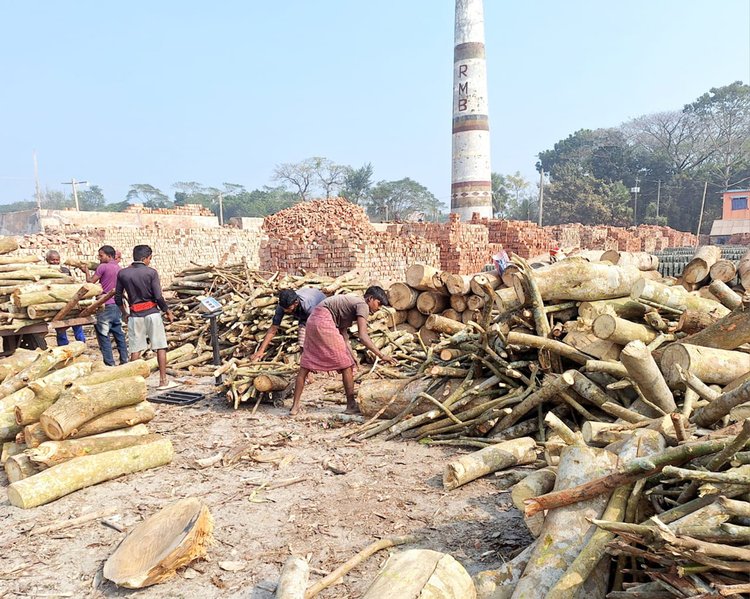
(141, 284)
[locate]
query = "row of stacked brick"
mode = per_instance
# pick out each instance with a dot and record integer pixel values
(333, 237)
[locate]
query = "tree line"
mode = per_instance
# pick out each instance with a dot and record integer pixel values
(652, 169)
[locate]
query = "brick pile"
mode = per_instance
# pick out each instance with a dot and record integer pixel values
(740, 239)
(186, 210)
(174, 249)
(334, 236)
(464, 247)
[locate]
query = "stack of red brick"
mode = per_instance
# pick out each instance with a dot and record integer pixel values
(186, 210)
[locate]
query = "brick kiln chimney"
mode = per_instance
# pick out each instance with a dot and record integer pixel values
(471, 187)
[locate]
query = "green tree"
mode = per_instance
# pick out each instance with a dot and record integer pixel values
(399, 200)
(357, 184)
(92, 198)
(149, 196)
(258, 203)
(500, 196)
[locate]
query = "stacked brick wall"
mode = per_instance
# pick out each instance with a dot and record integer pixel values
(186, 210)
(333, 237)
(174, 249)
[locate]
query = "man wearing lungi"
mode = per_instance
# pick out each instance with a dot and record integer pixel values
(327, 345)
(299, 304)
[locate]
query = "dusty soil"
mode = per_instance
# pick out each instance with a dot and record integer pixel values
(386, 488)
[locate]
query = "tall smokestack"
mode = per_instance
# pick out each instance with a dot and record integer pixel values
(471, 185)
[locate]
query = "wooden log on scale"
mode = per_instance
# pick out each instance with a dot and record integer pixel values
(709, 364)
(160, 545)
(82, 472)
(422, 277)
(116, 419)
(52, 453)
(445, 325)
(580, 281)
(641, 260)
(431, 302)
(265, 383)
(490, 459)
(420, 573)
(458, 284)
(723, 270)
(699, 268)
(82, 403)
(402, 297)
(621, 331)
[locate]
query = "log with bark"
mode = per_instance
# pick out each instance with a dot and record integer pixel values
(698, 269)
(52, 453)
(490, 459)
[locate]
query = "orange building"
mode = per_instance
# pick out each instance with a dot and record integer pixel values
(735, 216)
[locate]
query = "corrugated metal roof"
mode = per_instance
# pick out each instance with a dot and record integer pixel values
(730, 227)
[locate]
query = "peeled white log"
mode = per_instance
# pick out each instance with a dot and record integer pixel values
(710, 365)
(82, 472)
(675, 296)
(422, 573)
(490, 459)
(698, 269)
(621, 331)
(641, 260)
(49, 387)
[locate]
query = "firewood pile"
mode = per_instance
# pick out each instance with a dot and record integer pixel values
(248, 300)
(67, 423)
(332, 237)
(615, 405)
(32, 291)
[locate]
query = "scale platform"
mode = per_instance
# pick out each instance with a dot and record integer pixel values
(176, 397)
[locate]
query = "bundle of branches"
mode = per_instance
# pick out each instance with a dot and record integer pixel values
(70, 423)
(33, 292)
(248, 300)
(593, 393)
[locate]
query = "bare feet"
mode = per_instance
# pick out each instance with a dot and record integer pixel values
(352, 408)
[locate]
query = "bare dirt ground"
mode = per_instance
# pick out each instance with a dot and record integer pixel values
(386, 488)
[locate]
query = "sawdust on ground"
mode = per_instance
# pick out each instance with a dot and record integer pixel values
(348, 495)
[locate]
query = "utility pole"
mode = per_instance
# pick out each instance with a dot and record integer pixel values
(700, 218)
(36, 184)
(221, 209)
(658, 196)
(541, 197)
(73, 183)
(635, 190)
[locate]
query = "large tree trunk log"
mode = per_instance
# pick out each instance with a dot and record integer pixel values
(621, 331)
(451, 314)
(642, 368)
(419, 573)
(82, 472)
(743, 271)
(458, 284)
(111, 373)
(432, 302)
(8, 245)
(641, 260)
(34, 435)
(402, 297)
(8, 404)
(266, 383)
(675, 297)
(374, 394)
(428, 337)
(458, 303)
(483, 279)
(42, 365)
(422, 278)
(394, 317)
(293, 578)
(49, 387)
(506, 300)
(173, 355)
(693, 321)
(709, 364)
(8, 427)
(581, 281)
(444, 325)
(624, 307)
(698, 269)
(53, 293)
(82, 403)
(16, 362)
(729, 332)
(723, 270)
(415, 318)
(475, 302)
(490, 459)
(116, 419)
(725, 294)
(52, 453)
(570, 527)
(164, 542)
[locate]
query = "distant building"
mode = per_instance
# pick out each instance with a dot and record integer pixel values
(735, 216)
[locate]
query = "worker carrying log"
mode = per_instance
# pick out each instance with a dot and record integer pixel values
(327, 345)
(299, 304)
(53, 258)
(140, 283)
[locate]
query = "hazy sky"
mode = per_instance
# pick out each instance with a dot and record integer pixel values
(164, 91)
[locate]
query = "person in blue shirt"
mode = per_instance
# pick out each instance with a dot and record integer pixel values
(300, 304)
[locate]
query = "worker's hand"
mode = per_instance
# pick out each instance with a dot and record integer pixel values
(170, 316)
(257, 356)
(388, 360)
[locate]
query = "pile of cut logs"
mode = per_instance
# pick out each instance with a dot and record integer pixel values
(68, 423)
(616, 403)
(248, 300)
(33, 292)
